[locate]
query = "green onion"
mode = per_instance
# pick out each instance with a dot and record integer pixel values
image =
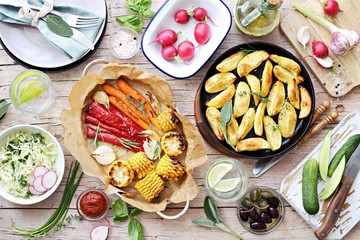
(59, 215)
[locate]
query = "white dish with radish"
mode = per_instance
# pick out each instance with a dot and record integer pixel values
(183, 35)
(32, 164)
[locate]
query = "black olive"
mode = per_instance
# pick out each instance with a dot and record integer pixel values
(266, 194)
(257, 225)
(263, 204)
(253, 214)
(244, 215)
(255, 195)
(265, 217)
(246, 202)
(274, 213)
(273, 201)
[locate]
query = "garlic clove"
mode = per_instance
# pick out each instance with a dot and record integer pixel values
(303, 35)
(325, 62)
(102, 98)
(104, 155)
(152, 149)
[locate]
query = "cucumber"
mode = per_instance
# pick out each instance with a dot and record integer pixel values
(309, 186)
(346, 149)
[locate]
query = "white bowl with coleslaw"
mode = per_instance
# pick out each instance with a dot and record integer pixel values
(22, 149)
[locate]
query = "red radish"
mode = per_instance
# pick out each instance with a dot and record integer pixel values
(186, 50)
(100, 232)
(40, 170)
(169, 53)
(166, 38)
(48, 180)
(202, 33)
(33, 191)
(319, 49)
(181, 16)
(30, 179)
(200, 14)
(331, 7)
(325, 62)
(38, 184)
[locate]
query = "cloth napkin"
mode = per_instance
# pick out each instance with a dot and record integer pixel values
(66, 45)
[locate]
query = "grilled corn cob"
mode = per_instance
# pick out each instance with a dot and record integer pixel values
(150, 186)
(168, 120)
(120, 173)
(140, 164)
(170, 169)
(172, 143)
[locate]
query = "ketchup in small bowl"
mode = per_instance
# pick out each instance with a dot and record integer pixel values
(92, 204)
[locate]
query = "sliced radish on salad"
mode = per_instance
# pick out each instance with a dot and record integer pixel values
(48, 180)
(30, 179)
(33, 191)
(38, 184)
(40, 170)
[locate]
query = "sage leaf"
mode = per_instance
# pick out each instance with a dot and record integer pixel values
(135, 229)
(204, 222)
(225, 228)
(120, 219)
(119, 208)
(211, 210)
(4, 105)
(226, 112)
(58, 26)
(134, 212)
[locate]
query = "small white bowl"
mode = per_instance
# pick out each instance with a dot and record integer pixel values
(124, 43)
(59, 166)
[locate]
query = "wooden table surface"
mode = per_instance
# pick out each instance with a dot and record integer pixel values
(293, 226)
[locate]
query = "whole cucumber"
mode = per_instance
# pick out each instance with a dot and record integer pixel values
(309, 186)
(346, 149)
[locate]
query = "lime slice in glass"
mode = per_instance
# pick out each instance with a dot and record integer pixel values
(334, 180)
(226, 185)
(30, 90)
(324, 156)
(218, 172)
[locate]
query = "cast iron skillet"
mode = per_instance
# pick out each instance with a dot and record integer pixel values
(202, 97)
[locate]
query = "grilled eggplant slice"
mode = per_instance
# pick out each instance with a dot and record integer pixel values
(241, 99)
(276, 98)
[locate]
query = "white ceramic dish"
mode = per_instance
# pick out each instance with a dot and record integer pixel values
(28, 45)
(291, 185)
(59, 166)
(164, 19)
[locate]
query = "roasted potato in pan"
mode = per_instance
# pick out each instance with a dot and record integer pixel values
(259, 115)
(293, 93)
(219, 82)
(287, 120)
(266, 79)
(231, 131)
(305, 103)
(285, 75)
(276, 98)
(247, 123)
(213, 116)
(251, 61)
(272, 133)
(219, 100)
(252, 144)
(241, 99)
(230, 63)
(287, 63)
(254, 84)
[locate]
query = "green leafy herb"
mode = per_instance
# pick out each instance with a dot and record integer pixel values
(58, 26)
(242, 93)
(213, 218)
(226, 115)
(123, 214)
(4, 105)
(276, 127)
(139, 106)
(262, 98)
(141, 9)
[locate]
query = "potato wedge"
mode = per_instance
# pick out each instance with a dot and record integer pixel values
(254, 84)
(272, 133)
(287, 120)
(276, 98)
(213, 116)
(266, 79)
(287, 63)
(250, 62)
(241, 99)
(230, 63)
(219, 82)
(305, 102)
(259, 115)
(252, 144)
(231, 131)
(219, 100)
(293, 93)
(247, 123)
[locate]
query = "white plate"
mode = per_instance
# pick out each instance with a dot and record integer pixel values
(28, 45)
(59, 166)
(291, 185)
(164, 19)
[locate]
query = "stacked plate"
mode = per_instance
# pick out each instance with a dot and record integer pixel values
(30, 49)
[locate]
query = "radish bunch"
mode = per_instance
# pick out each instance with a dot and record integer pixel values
(200, 14)
(41, 180)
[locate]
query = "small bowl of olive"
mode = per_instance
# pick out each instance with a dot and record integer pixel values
(261, 210)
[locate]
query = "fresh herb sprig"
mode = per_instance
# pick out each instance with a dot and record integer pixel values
(213, 219)
(141, 8)
(58, 26)
(226, 115)
(4, 105)
(123, 214)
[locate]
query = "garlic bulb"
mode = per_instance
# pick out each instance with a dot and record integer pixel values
(104, 155)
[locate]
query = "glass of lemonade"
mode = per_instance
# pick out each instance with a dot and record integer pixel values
(32, 92)
(226, 180)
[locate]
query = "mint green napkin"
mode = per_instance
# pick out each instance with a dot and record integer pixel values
(68, 46)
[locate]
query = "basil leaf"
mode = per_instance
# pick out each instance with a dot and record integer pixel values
(136, 25)
(148, 14)
(145, 4)
(58, 26)
(4, 105)
(133, 5)
(204, 222)
(226, 112)
(120, 219)
(135, 229)
(119, 208)
(127, 18)
(211, 210)
(134, 212)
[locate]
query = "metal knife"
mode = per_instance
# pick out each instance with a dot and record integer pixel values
(82, 39)
(336, 204)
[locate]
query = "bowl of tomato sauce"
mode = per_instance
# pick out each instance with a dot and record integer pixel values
(92, 204)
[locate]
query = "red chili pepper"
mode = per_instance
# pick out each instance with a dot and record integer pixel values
(116, 131)
(112, 139)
